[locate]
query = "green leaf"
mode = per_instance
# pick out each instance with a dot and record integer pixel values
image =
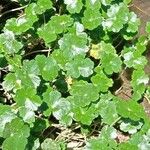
(106, 138)
(74, 6)
(24, 77)
(127, 145)
(133, 23)
(109, 113)
(106, 108)
(80, 66)
(101, 81)
(24, 22)
(27, 115)
(61, 23)
(131, 27)
(47, 36)
(77, 28)
(130, 126)
(9, 44)
(111, 63)
(60, 58)
(56, 25)
(93, 4)
(25, 80)
(72, 44)
(145, 142)
(14, 62)
(109, 135)
(133, 55)
(32, 72)
(62, 111)
(83, 93)
(129, 109)
(116, 18)
(132, 61)
(9, 82)
(6, 115)
(139, 82)
(96, 144)
(58, 106)
(42, 6)
(92, 19)
(16, 128)
(106, 48)
(49, 97)
(50, 144)
(48, 67)
(31, 67)
(85, 115)
(30, 101)
(15, 143)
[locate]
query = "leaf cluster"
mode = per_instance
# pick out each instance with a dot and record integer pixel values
(63, 60)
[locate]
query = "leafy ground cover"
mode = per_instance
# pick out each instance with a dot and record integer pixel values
(73, 76)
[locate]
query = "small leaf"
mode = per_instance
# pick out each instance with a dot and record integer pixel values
(130, 126)
(72, 44)
(27, 115)
(133, 55)
(80, 66)
(16, 128)
(144, 144)
(6, 115)
(30, 101)
(50, 144)
(61, 23)
(101, 81)
(43, 5)
(129, 109)
(111, 63)
(60, 107)
(133, 23)
(47, 37)
(85, 115)
(56, 25)
(92, 19)
(127, 145)
(60, 58)
(106, 138)
(74, 6)
(9, 44)
(139, 82)
(83, 93)
(15, 143)
(9, 82)
(109, 113)
(48, 67)
(49, 97)
(23, 23)
(116, 18)
(61, 111)
(93, 4)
